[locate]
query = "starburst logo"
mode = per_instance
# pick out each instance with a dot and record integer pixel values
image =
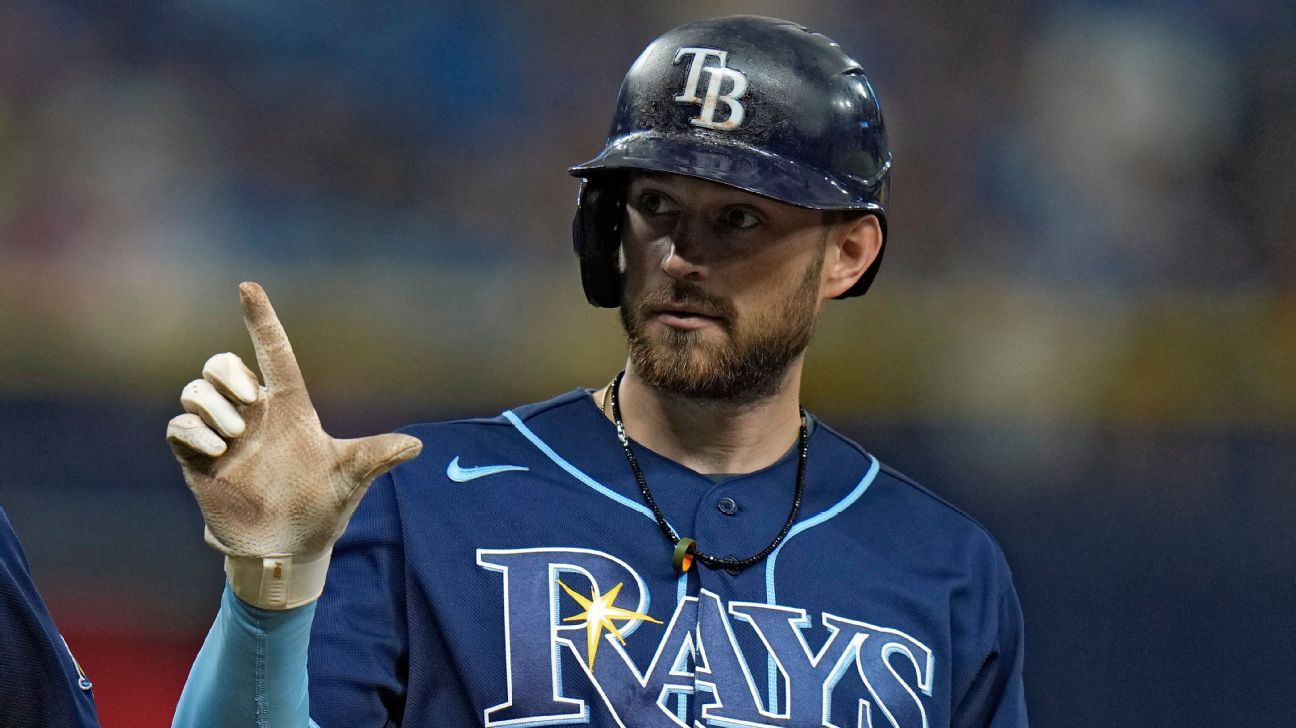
(599, 615)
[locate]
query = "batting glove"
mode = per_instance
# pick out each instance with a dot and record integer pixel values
(275, 490)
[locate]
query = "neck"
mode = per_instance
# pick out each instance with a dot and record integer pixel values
(710, 436)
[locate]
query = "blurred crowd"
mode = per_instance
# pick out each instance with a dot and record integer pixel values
(404, 167)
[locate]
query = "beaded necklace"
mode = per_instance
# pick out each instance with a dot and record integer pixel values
(686, 549)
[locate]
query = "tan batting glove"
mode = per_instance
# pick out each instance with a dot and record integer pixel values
(275, 490)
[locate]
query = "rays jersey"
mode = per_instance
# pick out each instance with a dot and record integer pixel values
(42, 684)
(512, 576)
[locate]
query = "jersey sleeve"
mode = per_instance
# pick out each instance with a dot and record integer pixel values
(41, 684)
(996, 698)
(359, 647)
(251, 669)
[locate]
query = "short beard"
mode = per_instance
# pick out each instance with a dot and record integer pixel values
(750, 366)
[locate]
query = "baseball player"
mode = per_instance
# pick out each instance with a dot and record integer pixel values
(683, 546)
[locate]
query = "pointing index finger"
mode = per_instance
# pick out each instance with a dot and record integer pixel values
(273, 352)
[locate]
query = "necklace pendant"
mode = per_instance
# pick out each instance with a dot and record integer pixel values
(683, 558)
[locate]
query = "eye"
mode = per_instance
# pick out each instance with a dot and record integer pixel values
(655, 203)
(739, 218)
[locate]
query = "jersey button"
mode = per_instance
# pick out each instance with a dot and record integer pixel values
(727, 506)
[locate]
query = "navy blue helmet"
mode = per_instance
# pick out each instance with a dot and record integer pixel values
(760, 104)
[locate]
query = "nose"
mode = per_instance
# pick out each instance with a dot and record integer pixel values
(682, 258)
(676, 265)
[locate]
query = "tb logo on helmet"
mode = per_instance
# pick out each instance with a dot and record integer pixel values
(715, 80)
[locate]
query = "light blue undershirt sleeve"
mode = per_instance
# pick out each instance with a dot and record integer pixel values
(251, 670)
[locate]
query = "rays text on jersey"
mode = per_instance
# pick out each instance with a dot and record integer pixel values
(862, 675)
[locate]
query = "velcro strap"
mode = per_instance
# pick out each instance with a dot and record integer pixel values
(278, 582)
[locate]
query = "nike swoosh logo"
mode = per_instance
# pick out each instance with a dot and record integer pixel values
(461, 474)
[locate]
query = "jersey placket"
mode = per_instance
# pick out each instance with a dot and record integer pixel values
(735, 518)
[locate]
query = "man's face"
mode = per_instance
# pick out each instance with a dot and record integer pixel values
(722, 287)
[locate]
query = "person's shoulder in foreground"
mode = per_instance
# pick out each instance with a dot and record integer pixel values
(42, 684)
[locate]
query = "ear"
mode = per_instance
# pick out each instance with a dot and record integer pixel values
(853, 245)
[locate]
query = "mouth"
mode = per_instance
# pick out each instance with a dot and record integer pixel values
(685, 318)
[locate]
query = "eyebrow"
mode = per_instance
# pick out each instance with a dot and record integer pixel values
(663, 182)
(644, 179)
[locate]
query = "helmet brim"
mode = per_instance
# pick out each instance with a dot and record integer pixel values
(727, 162)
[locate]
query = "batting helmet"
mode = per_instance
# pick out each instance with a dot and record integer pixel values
(760, 104)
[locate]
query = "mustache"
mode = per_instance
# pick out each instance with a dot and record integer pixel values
(684, 293)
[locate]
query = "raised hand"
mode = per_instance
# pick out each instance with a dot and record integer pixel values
(275, 490)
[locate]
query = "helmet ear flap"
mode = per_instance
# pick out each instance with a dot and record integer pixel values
(596, 236)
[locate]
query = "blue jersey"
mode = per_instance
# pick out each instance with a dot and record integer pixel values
(512, 575)
(40, 683)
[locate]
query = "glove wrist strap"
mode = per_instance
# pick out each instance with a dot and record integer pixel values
(278, 582)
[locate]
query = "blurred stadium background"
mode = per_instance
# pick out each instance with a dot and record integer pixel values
(1084, 333)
